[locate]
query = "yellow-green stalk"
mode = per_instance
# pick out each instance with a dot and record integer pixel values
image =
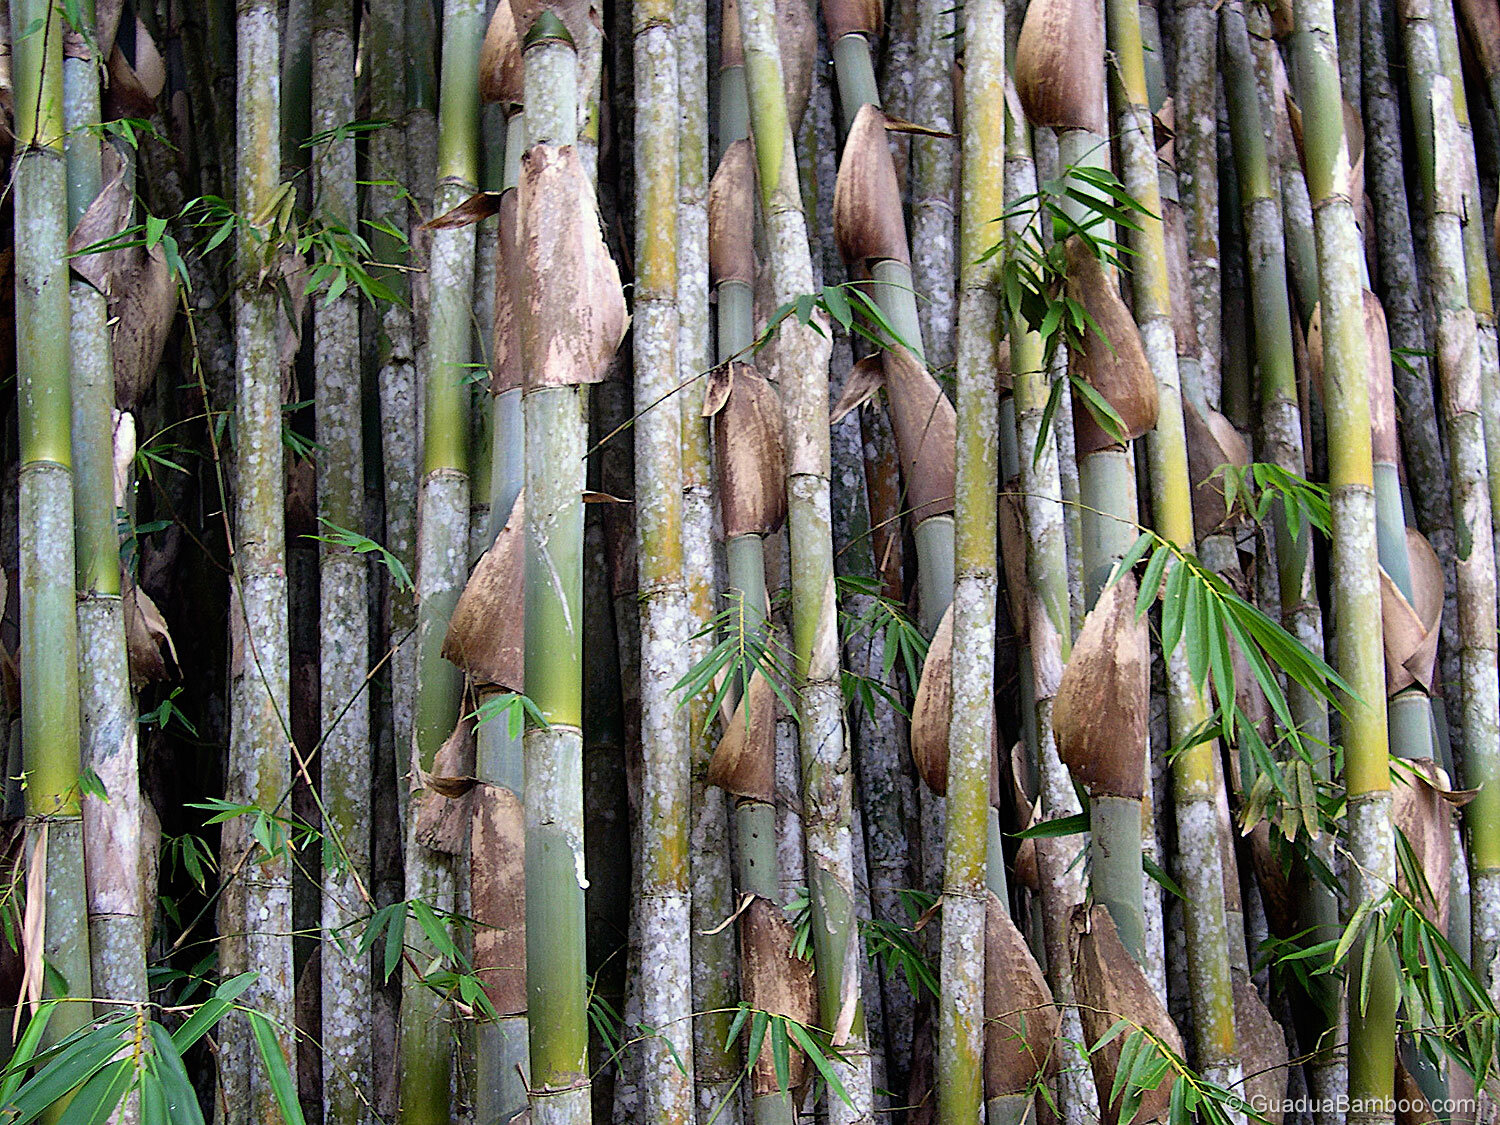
(426, 1048)
(961, 1025)
(1356, 588)
(49, 632)
(802, 354)
(1197, 784)
(666, 964)
(117, 894)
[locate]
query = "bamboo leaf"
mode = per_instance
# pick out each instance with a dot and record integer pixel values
(277, 1073)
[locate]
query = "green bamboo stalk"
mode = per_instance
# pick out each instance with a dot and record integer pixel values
(117, 895)
(556, 437)
(426, 1049)
(666, 768)
(1460, 382)
(961, 1025)
(1281, 438)
(716, 1065)
(343, 631)
(803, 353)
(49, 637)
(1197, 786)
(1356, 594)
(1049, 631)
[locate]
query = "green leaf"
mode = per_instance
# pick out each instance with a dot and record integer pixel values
(819, 1060)
(1058, 826)
(212, 1010)
(268, 1046)
(182, 1102)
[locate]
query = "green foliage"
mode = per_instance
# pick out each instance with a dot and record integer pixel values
(127, 1051)
(277, 835)
(513, 708)
(362, 544)
(848, 305)
(1033, 275)
(166, 714)
(450, 974)
(783, 1034)
(893, 947)
(1211, 621)
(902, 645)
(745, 647)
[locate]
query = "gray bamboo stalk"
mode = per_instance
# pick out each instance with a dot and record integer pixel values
(802, 354)
(49, 637)
(1049, 628)
(386, 56)
(966, 872)
(1197, 785)
(426, 1050)
(935, 186)
(1459, 379)
(1399, 288)
(259, 771)
(666, 769)
(343, 630)
(714, 974)
(117, 894)
(1196, 122)
(1356, 594)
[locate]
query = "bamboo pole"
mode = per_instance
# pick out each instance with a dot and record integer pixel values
(801, 353)
(49, 636)
(935, 183)
(666, 784)
(1460, 379)
(570, 328)
(1399, 284)
(1049, 630)
(1356, 593)
(1196, 123)
(259, 770)
(426, 1049)
(1281, 438)
(1197, 784)
(961, 1026)
(716, 1066)
(117, 893)
(343, 630)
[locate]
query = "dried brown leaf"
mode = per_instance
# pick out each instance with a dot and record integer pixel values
(148, 641)
(1059, 65)
(1115, 365)
(867, 211)
(926, 434)
(774, 980)
(731, 217)
(501, 71)
(744, 763)
(1110, 986)
(751, 457)
(1211, 442)
(1021, 1021)
(484, 635)
(862, 383)
(497, 888)
(478, 207)
(1099, 715)
(932, 711)
(573, 317)
(442, 822)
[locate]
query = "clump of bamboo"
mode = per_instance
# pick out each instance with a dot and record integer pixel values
(572, 320)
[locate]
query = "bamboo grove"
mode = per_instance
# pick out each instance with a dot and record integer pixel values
(732, 562)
